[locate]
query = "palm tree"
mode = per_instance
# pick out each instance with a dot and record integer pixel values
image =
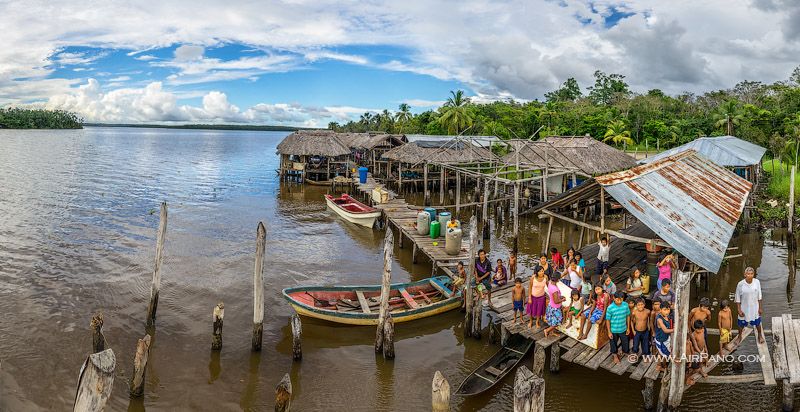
(728, 115)
(403, 115)
(456, 115)
(617, 133)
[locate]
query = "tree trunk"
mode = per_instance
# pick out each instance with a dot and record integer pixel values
(258, 288)
(383, 311)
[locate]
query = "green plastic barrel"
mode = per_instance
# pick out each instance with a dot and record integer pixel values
(435, 229)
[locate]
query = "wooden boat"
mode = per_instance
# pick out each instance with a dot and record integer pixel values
(313, 182)
(497, 367)
(359, 305)
(353, 210)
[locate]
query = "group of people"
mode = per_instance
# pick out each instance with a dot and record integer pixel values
(623, 315)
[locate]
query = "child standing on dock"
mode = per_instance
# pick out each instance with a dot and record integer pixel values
(518, 299)
(701, 313)
(512, 264)
(554, 315)
(641, 325)
(500, 277)
(603, 253)
(618, 325)
(596, 313)
(538, 301)
(725, 323)
(662, 334)
(700, 350)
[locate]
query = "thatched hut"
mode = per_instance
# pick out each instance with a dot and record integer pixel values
(368, 148)
(313, 156)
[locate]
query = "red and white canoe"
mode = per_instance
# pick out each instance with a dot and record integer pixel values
(353, 210)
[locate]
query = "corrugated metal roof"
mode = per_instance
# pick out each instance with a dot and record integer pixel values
(688, 200)
(728, 151)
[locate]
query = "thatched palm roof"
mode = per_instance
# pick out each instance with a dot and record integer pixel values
(583, 154)
(368, 141)
(313, 143)
(438, 151)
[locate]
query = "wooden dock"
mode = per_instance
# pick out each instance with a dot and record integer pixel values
(403, 217)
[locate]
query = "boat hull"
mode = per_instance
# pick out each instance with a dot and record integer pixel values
(492, 371)
(361, 318)
(363, 219)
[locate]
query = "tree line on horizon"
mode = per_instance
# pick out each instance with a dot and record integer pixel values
(765, 114)
(24, 118)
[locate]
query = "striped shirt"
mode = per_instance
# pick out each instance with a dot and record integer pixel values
(618, 316)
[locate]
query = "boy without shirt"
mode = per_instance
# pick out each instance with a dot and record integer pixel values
(641, 325)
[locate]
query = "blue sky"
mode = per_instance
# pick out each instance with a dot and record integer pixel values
(308, 63)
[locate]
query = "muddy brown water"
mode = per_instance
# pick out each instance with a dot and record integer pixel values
(78, 216)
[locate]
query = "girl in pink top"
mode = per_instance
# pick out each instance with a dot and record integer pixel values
(665, 269)
(554, 315)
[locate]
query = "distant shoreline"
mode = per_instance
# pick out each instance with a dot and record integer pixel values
(263, 128)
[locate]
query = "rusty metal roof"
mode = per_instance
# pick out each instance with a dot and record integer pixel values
(687, 200)
(728, 151)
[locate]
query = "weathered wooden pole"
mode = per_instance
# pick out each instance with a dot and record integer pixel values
(555, 357)
(477, 315)
(547, 238)
(538, 361)
(283, 394)
(790, 226)
(663, 393)
(140, 366)
(678, 368)
(258, 287)
(399, 176)
(216, 334)
(98, 339)
(297, 330)
(787, 400)
(485, 211)
(516, 218)
(383, 311)
(458, 193)
(648, 394)
(468, 301)
(95, 382)
(440, 393)
(602, 210)
(388, 337)
(496, 187)
(442, 184)
(156, 284)
(528, 391)
(583, 228)
(427, 199)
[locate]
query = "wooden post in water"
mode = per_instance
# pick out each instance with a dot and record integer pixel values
(648, 394)
(583, 228)
(485, 211)
(477, 314)
(427, 199)
(790, 226)
(156, 284)
(440, 393)
(516, 218)
(297, 330)
(388, 336)
(663, 393)
(383, 311)
(678, 368)
(496, 187)
(473, 248)
(98, 340)
(458, 193)
(216, 335)
(140, 366)
(95, 382)
(258, 287)
(283, 394)
(555, 357)
(538, 360)
(787, 400)
(549, 233)
(528, 391)
(442, 184)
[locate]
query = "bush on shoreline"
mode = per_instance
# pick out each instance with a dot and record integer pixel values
(20, 118)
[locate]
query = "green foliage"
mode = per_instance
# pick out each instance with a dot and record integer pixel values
(750, 110)
(19, 118)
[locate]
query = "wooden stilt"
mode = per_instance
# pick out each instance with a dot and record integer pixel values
(504, 335)
(283, 394)
(538, 361)
(458, 193)
(140, 366)
(442, 173)
(427, 199)
(496, 187)
(648, 394)
(388, 337)
(528, 391)
(602, 210)
(477, 314)
(485, 211)
(547, 238)
(414, 252)
(678, 368)
(473, 249)
(583, 228)
(98, 339)
(383, 311)
(663, 394)
(216, 336)
(440, 393)
(516, 218)
(95, 382)
(258, 287)
(498, 214)
(787, 400)
(297, 331)
(555, 357)
(155, 286)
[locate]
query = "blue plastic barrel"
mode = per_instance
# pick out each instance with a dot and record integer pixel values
(362, 174)
(431, 211)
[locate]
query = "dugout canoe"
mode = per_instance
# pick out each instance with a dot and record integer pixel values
(497, 367)
(352, 210)
(359, 305)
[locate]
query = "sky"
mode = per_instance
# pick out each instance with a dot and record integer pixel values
(310, 62)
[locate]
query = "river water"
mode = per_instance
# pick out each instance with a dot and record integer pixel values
(78, 217)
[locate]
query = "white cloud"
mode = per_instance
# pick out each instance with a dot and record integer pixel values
(146, 57)
(423, 103)
(120, 79)
(519, 48)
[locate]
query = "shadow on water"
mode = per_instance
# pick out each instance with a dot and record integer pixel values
(248, 401)
(214, 366)
(384, 377)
